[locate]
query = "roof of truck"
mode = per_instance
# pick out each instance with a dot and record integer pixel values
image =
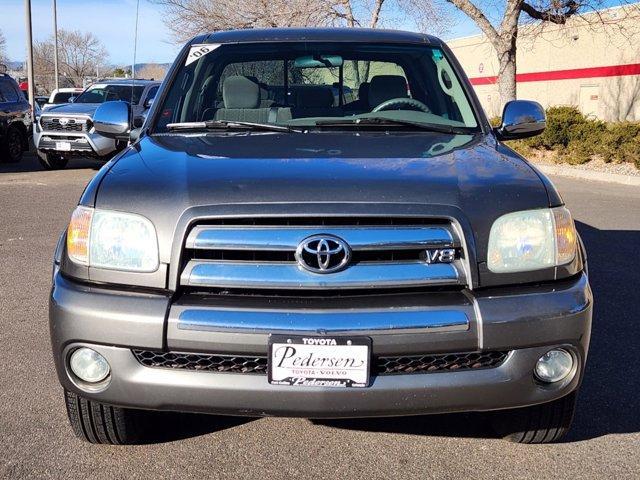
(125, 81)
(317, 35)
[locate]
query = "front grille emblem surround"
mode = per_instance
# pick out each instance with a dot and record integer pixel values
(323, 254)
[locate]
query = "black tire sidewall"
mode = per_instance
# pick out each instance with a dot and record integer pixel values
(51, 161)
(13, 142)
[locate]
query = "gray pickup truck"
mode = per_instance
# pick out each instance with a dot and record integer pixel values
(267, 246)
(67, 130)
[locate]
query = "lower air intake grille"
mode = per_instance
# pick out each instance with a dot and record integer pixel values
(438, 363)
(382, 365)
(198, 361)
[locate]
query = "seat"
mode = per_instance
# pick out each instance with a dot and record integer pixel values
(315, 101)
(242, 102)
(386, 87)
(361, 105)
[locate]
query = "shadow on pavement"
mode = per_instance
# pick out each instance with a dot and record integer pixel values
(161, 427)
(609, 399)
(30, 163)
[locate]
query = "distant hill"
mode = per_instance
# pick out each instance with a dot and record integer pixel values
(14, 65)
(140, 66)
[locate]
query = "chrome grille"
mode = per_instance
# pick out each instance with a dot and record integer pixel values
(260, 254)
(63, 124)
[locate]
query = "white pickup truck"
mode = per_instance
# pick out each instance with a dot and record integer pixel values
(66, 130)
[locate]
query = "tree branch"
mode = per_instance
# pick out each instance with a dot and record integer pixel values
(551, 14)
(479, 18)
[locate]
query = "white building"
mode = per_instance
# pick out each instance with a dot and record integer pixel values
(589, 63)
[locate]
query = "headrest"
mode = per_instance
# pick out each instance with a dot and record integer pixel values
(240, 92)
(386, 87)
(363, 92)
(314, 97)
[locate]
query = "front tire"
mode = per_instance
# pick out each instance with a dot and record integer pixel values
(11, 151)
(98, 423)
(543, 423)
(52, 161)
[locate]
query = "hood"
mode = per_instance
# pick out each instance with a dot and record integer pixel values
(73, 109)
(463, 175)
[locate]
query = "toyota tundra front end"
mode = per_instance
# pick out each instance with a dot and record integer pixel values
(271, 244)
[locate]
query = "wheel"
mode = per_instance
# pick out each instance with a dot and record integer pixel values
(103, 424)
(52, 161)
(543, 423)
(11, 151)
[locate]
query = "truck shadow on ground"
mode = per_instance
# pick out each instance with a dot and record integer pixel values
(608, 401)
(162, 427)
(30, 163)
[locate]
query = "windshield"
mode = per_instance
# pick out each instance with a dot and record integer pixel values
(318, 85)
(108, 93)
(62, 97)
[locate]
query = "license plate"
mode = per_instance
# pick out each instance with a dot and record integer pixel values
(319, 361)
(63, 146)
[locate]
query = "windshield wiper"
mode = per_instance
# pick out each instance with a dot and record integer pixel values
(228, 125)
(381, 121)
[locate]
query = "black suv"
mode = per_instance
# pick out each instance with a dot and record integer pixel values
(15, 120)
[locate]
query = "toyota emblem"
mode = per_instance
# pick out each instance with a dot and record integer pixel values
(323, 254)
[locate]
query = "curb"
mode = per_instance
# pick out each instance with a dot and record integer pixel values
(568, 171)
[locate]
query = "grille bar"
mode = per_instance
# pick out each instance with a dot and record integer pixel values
(272, 275)
(266, 253)
(399, 365)
(288, 238)
(397, 320)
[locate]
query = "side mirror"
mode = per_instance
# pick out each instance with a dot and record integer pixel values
(148, 102)
(521, 119)
(71, 99)
(113, 119)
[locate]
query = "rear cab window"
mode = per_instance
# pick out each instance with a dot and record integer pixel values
(8, 93)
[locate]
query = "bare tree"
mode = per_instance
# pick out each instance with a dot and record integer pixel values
(186, 18)
(153, 71)
(80, 55)
(503, 34)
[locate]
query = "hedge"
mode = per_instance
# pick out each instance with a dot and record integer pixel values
(577, 139)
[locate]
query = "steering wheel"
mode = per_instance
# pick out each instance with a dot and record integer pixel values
(402, 103)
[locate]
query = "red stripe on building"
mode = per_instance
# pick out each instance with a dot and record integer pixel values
(593, 72)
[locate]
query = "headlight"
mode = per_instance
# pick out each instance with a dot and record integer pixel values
(531, 240)
(113, 240)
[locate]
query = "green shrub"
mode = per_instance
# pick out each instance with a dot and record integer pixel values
(576, 139)
(561, 121)
(620, 142)
(495, 121)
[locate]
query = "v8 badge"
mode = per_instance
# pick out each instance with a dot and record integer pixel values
(440, 255)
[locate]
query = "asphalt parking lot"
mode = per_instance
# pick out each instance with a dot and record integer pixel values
(36, 441)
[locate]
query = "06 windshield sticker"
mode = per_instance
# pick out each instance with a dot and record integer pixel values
(198, 51)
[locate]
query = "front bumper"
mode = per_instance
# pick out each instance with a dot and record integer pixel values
(526, 320)
(81, 143)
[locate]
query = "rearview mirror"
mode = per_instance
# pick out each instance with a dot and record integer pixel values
(318, 61)
(521, 119)
(113, 119)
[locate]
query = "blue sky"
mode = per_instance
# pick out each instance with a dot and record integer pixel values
(113, 22)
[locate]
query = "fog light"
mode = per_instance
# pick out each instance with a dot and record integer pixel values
(554, 366)
(88, 365)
